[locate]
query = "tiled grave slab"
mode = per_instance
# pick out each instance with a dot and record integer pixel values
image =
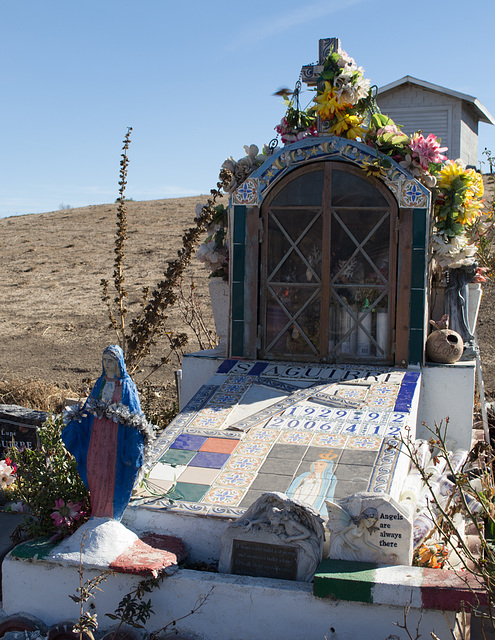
(327, 432)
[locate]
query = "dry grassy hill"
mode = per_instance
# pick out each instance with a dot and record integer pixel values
(53, 323)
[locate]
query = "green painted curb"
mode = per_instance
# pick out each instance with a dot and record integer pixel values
(38, 549)
(344, 580)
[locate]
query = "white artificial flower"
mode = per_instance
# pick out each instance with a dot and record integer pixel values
(6, 477)
(251, 150)
(453, 253)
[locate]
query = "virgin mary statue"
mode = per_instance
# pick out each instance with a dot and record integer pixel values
(107, 437)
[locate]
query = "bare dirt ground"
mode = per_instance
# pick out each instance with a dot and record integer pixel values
(53, 323)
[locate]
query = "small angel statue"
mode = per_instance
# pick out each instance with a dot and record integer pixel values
(350, 537)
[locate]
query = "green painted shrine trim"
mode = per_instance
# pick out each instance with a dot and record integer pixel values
(237, 274)
(344, 580)
(418, 286)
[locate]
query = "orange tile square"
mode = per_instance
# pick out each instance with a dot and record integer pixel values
(219, 445)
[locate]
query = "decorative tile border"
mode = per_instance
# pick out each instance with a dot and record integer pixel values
(264, 371)
(383, 471)
(408, 191)
(247, 193)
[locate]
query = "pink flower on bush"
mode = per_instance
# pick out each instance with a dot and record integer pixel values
(427, 150)
(66, 514)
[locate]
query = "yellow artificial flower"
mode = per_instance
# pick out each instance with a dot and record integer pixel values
(472, 208)
(348, 124)
(328, 103)
(476, 183)
(374, 168)
(355, 129)
(449, 172)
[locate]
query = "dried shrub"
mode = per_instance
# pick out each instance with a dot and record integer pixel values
(36, 394)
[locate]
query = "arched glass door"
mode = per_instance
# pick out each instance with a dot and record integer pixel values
(328, 267)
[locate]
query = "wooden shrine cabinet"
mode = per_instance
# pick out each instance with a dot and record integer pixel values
(327, 264)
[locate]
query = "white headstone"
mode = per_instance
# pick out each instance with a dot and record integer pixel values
(369, 527)
(275, 538)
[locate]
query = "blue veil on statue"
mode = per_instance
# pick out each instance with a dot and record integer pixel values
(107, 437)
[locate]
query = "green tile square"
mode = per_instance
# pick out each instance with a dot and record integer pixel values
(238, 301)
(417, 320)
(177, 456)
(238, 255)
(416, 346)
(188, 491)
(238, 338)
(239, 231)
(420, 222)
(418, 269)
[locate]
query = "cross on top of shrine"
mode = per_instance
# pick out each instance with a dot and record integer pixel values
(311, 72)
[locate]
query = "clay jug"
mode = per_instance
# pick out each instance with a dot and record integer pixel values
(444, 346)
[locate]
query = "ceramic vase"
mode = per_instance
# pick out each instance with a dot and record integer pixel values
(444, 346)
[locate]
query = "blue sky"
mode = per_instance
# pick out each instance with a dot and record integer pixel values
(195, 81)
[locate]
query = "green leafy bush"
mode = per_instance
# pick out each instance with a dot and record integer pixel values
(48, 485)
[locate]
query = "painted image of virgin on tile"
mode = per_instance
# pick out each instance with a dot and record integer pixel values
(315, 486)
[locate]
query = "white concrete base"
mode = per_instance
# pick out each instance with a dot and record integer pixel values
(97, 543)
(197, 369)
(448, 391)
(237, 607)
(202, 536)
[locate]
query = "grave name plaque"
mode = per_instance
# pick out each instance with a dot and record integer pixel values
(264, 560)
(19, 425)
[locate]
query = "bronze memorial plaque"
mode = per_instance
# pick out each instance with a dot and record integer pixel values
(263, 560)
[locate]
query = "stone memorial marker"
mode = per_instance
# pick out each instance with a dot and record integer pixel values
(369, 527)
(19, 424)
(275, 538)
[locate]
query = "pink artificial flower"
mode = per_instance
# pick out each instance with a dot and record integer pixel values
(389, 128)
(480, 274)
(288, 135)
(427, 150)
(66, 514)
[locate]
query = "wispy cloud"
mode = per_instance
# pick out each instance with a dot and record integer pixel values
(258, 31)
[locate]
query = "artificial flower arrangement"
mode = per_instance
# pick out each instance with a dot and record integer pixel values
(346, 104)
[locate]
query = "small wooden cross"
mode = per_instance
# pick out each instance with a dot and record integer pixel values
(311, 72)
